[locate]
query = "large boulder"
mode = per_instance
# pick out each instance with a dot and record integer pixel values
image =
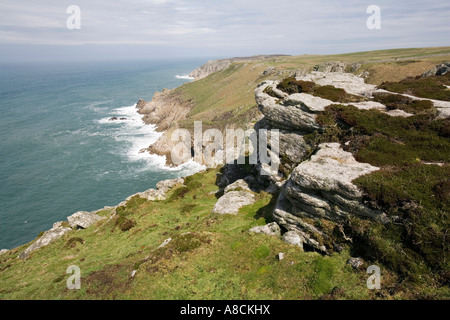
(56, 232)
(232, 201)
(83, 219)
(289, 117)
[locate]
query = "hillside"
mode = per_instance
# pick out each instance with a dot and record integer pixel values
(226, 98)
(363, 180)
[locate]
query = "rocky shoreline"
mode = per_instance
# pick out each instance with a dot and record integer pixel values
(319, 180)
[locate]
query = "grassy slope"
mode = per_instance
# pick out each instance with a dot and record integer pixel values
(220, 259)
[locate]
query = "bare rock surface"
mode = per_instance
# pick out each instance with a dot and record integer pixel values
(322, 186)
(166, 185)
(232, 201)
(56, 232)
(83, 219)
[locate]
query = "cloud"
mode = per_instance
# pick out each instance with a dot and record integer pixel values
(228, 26)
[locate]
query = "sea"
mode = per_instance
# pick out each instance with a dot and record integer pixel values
(59, 151)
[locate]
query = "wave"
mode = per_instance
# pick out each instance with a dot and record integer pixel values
(185, 77)
(137, 136)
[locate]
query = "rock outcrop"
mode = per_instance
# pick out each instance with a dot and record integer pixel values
(322, 186)
(166, 185)
(316, 185)
(164, 110)
(236, 195)
(438, 70)
(232, 201)
(83, 219)
(56, 232)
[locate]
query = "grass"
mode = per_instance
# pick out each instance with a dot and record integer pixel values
(424, 87)
(210, 257)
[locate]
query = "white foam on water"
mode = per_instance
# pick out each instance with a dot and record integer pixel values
(184, 77)
(94, 106)
(138, 136)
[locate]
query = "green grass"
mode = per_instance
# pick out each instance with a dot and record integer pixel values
(424, 87)
(210, 257)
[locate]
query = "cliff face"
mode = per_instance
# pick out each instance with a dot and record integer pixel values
(164, 110)
(209, 68)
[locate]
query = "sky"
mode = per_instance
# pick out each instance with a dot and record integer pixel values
(139, 29)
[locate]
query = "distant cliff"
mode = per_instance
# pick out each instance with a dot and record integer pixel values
(221, 64)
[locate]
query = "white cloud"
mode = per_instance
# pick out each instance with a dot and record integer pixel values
(251, 26)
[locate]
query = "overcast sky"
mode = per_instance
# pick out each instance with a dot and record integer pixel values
(215, 28)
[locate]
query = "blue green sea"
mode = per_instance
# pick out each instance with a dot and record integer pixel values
(59, 153)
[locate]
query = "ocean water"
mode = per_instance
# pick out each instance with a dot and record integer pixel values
(59, 153)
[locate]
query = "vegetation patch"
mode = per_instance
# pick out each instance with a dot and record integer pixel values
(424, 87)
(413, 193)
(397, 101)
(187, 208)
(131, 206)
(291, 85)
(124, 223)
(72, 242)
(178, 193)
(108, 282)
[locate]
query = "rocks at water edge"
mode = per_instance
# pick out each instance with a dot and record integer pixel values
(3, 251)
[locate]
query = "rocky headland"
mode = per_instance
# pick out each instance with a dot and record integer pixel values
(358, 165)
